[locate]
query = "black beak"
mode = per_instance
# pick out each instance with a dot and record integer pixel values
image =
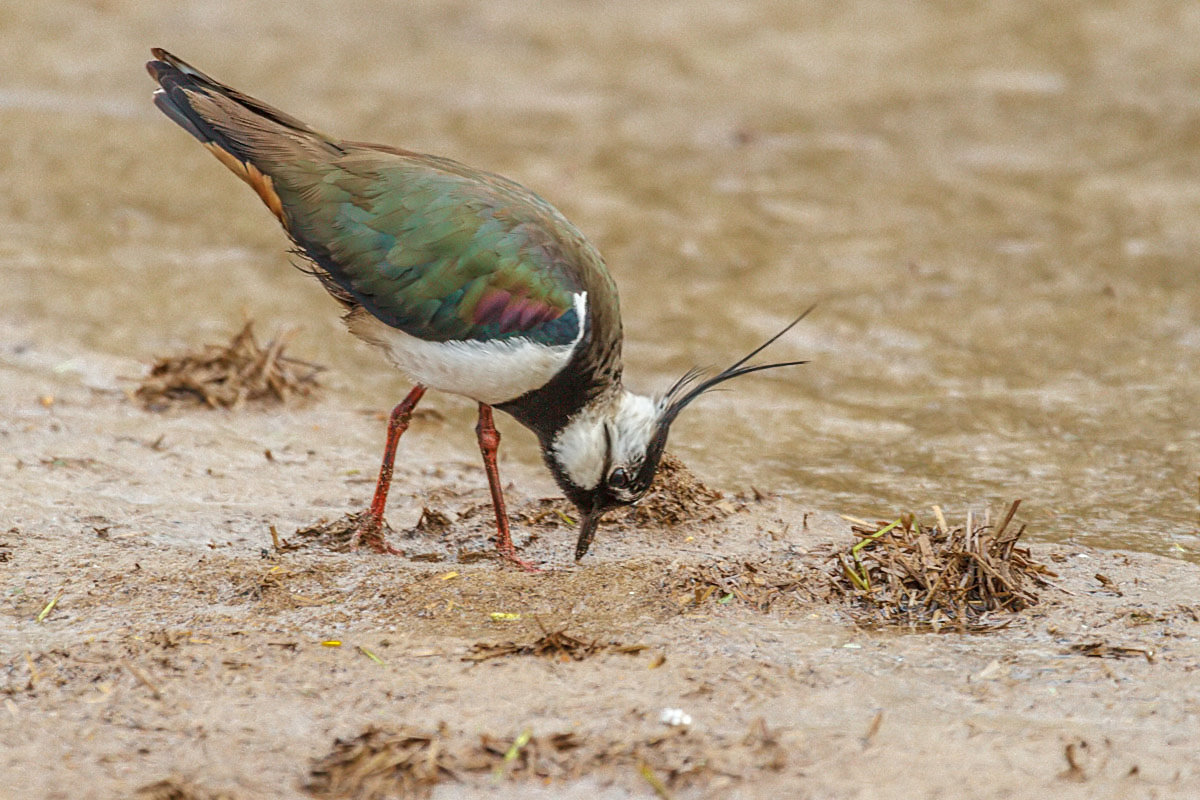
(587, 531)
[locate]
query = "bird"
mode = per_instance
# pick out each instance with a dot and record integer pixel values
(469, 283)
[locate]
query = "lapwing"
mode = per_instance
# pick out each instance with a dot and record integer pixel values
(468, 282)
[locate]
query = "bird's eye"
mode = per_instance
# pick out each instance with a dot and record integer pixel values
(619, 479)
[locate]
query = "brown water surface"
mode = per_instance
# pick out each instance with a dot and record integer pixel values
(995, 208)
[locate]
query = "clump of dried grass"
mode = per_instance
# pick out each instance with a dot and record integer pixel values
(229, 375)
(757, 585)
(554, 644)
(678, 496)
(376, 764)
(379, 764)
(336, 535)
(935, 576)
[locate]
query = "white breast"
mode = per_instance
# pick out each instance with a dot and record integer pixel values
(489, 372)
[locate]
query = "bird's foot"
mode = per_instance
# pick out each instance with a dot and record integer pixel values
(369, 531)
(509, 554)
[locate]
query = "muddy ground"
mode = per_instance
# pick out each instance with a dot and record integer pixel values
(188, 655)
(993, 204)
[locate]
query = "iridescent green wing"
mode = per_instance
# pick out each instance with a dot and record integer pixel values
(436, 249)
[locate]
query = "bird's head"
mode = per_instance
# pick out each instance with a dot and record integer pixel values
(608, 453)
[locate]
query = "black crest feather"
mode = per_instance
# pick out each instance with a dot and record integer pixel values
(693, 383)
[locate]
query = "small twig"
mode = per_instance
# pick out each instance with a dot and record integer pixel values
(1007, 519)
(941, 520)
(142, 678)
(655, 782)
(514, 750)
(49, 607)
(33, 671)
(873, 728)
(366, 652)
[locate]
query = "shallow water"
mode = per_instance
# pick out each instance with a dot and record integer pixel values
(995, 210)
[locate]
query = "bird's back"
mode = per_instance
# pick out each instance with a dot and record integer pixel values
(426, 245)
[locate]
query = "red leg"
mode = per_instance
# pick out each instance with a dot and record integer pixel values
(370, 528)
(489, 443)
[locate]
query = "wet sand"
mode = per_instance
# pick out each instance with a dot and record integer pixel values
(184, 647)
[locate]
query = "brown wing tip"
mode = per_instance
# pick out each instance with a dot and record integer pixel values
(175, 61)
(161, 58)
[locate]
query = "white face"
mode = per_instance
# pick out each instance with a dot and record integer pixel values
(616, 433)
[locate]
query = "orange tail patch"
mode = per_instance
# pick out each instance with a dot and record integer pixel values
(260, 182)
